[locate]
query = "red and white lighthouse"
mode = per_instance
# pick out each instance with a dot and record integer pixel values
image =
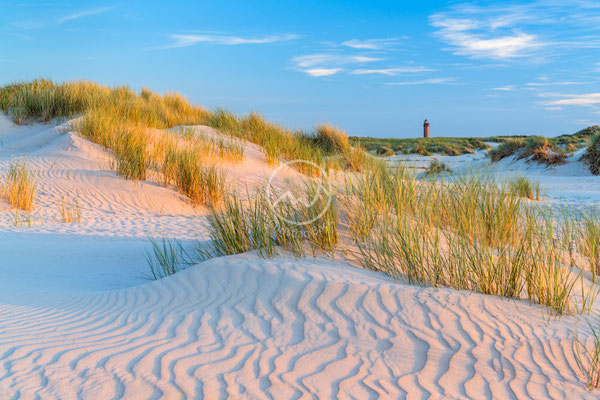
(426, 129)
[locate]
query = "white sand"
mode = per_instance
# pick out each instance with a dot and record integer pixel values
(77, 321)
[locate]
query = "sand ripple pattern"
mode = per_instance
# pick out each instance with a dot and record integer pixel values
(244, 327)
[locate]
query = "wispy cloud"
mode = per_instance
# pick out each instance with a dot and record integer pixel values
(323, 64)
(311, 60)
(505, 88)
(371, 44)
(586, 99)
(190, 40)
(322, 71)
(517, 31)
(84, 13)
(558, 83)
(431, 81)
(391, 71)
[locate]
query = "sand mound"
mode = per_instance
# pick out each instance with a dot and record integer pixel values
(244, 327)
(78, 321)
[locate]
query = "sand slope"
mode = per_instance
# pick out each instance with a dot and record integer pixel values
(78, 321)
(241, 326)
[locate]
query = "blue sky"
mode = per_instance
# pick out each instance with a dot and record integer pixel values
(374, 68)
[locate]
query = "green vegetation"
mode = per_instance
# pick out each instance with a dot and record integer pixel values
(169, 257)
(437, 167)
(523, 187)
(125, 122)
(533, 148)
(255, 224)
(592, 154)
(467, 233)
(423, 146)
(69, 211)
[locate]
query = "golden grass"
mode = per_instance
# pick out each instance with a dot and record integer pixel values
(19, 187)
(69, 211)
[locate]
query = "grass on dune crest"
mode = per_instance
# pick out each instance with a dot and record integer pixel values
(592, 154)
(469, 233)
(19, 187)
(125, 121)
(533, 148)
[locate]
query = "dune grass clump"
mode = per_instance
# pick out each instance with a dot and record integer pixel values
(266, 223)
(19, 187)
(589, 241)
(169, 257)
(331, 139)
(69, 211)
(437, 167)
(203, 184)
(592, 154)
(385, 151)
(506, 149)
(467, 234)
(523, 187)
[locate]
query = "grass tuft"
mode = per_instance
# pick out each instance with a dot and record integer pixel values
(19, 188)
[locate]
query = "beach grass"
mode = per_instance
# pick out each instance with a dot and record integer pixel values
(20, 186)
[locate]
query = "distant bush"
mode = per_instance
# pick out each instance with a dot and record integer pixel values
(592, 155)
(385, 151)
(506, 149)
(437, 167)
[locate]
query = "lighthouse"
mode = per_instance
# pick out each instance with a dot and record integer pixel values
(426, 129)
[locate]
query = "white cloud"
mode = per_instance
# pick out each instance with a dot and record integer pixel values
(322, 64)
(391, 71)
(588, 99)
(432, 81)
(312, 60)
(553, 108)
(322, 71)
(514, 31)
(84, 13)
(462, 35)
(190, 40)
(505, 88)
(371, 44)
(550, 83)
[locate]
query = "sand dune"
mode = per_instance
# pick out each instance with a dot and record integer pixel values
(78, 321)
(241, 326)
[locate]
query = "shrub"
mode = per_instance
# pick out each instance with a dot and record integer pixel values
(592, 155)
(19, 189)
(437, 167)
(332, 140)
(506, 149)
(523, 187)
(385, 151)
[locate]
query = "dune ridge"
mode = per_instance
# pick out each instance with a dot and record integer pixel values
(243, 326)
(78, 321)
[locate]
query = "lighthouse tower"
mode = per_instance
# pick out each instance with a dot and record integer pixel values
(426, 129)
